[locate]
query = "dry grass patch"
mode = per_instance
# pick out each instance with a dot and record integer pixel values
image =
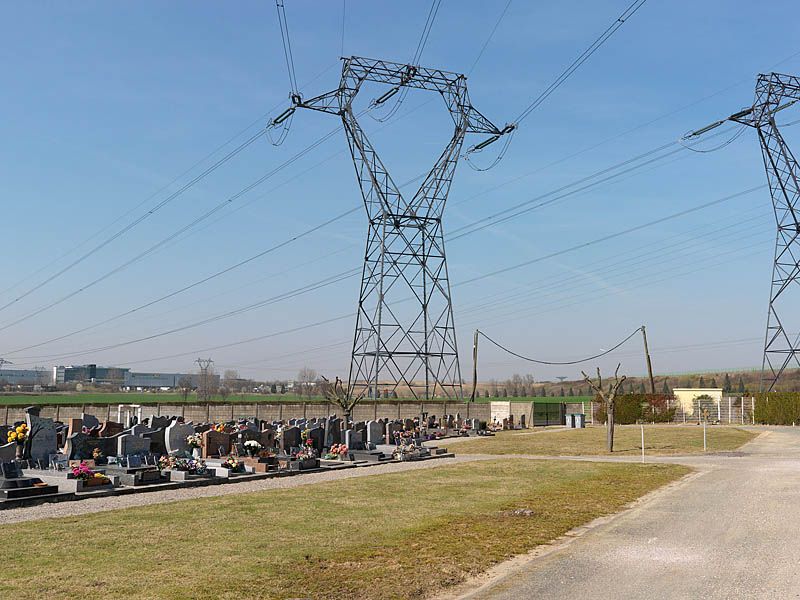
(403, 535)
(659, 440)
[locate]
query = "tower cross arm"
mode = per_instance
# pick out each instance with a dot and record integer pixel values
(478, 123)
(328, 102)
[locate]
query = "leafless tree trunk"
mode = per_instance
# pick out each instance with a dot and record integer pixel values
(608, 399)
(335, 392)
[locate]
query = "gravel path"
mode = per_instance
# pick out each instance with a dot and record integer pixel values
(92, 505)
(733, 531)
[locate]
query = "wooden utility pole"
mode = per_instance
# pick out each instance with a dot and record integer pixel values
(649, 364)
(474, 366)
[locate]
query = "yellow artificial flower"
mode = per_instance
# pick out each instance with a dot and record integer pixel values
(12, 435)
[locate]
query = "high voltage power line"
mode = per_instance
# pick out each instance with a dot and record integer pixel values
(287, 242)
(350, 273)
(583, 57)
(550, 362)
(458, 233)
(164, 188)
(290, 65)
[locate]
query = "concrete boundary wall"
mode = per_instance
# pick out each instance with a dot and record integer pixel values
(199, 413)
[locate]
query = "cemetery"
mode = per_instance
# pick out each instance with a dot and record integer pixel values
(45, 460)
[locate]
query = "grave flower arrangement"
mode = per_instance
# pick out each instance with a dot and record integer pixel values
(337, 452)
(406, 451)
(253, 447)
(193, 441)
(84, 473)
(232, 463)
(178, 463)
(308, 452)
(402, 437)
(18, 434)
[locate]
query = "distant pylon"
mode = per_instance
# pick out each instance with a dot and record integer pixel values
(203, 388)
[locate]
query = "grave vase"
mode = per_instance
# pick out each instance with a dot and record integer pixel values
(196, 453)
(20, 451)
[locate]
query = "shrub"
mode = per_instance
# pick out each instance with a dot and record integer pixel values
(631, 408)
(778, 408)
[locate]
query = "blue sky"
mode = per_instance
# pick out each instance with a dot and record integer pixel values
(106, 104)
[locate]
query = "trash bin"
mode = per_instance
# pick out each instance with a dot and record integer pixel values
(571, 421)
(580, 420)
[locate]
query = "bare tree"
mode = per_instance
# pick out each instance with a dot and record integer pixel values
(335, 392)
(608, 399)
(307, 379)
(224, 392)
(230, 376)
(185, 387)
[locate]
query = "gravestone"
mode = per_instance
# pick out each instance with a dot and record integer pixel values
(333, 431)
(74, 426)
(408, 424)
(431, 422)
(391, 427)
(267, 438)
(374, 432)
(155, 422)
(175, 437)
(110, 428)
(41, 435)
(80, 446)
(317, 437)
(213, 441)
(292, 422)
(522, 421)
(290, 438)
(139, 430)
(8, 452)
(90, 421)
(354, 440)
(157, 440)
(361, 426)
(13, 484)
(132, 444)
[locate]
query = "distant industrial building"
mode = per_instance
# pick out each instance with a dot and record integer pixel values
(25, 377)
(89, 374)
(124, 377)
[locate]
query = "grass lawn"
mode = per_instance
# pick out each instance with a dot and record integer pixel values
(658, 439)
(403, 535)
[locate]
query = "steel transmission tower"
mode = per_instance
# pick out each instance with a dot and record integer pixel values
(204, 387)
(405, 333)
(775, 92)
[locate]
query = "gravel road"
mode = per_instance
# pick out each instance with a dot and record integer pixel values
(731, 532)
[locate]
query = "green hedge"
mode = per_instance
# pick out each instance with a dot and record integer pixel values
(778, 408)
(632, 408)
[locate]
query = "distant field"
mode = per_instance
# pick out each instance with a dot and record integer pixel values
(168, 398)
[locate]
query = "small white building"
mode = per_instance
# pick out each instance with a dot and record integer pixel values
(687, 397)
